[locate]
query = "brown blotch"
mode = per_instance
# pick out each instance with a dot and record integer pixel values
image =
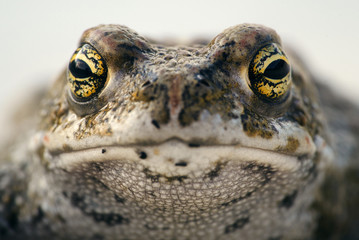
(157, 95)
(66, 147)
(291, 147)
(197, 98)
(254, 125)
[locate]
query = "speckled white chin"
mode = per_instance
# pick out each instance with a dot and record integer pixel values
(168, 158)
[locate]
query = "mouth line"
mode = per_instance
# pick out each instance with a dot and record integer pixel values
(173, 141)
(158, 156)
(177, 151)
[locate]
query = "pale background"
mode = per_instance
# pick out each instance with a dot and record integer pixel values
(37, 37)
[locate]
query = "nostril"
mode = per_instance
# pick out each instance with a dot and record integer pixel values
(181, 164)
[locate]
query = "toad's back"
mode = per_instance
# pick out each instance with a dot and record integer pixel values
(220, 141)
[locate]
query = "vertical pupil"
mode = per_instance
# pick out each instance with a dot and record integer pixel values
(277, 69)
(80, 69)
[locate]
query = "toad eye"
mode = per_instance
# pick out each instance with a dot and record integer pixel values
(87, 73)
(269, 73)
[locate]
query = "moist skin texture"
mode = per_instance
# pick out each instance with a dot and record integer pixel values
(177, 142)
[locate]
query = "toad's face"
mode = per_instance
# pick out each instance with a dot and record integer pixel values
(205, 140)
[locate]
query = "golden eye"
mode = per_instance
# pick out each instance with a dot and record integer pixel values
(87, 73)
(269, 73)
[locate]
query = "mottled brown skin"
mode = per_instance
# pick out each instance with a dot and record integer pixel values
(178, 146)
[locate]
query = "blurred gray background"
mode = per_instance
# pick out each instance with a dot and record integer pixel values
(37, 37)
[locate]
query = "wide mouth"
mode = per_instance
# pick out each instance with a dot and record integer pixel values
(173, 156)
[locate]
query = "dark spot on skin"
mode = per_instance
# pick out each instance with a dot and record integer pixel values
(76, 200)
(181, 164)
(193, 145)
(149, 174)
(97, 166)
(222, 62)
(119, 199)
(146, 84)
(197, 97)
(110, 219)
(39, 216)
(156, 124)
(65, 194)
(176, 178)
(154, 227)
(190, 112)
(132, 50)
(266, 171)
(303, 157)
(303, 111)
(291, 147)
(115, 108)
(67, 147)
(158, 94)
(205, 76)
(109, 131)
(235, 200)
(103, 150)
(232, 115)
(142, 155)
(238, 224)
(300, 117)
(201, 79)
(229, 44)
(288, 200)
(98, 182)
(224, 56)
(151, 193)
(155, 177)
(215, 172)
(204, 82)
(254, 125)
(312, 173)
(168, 57)
(186, 119)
